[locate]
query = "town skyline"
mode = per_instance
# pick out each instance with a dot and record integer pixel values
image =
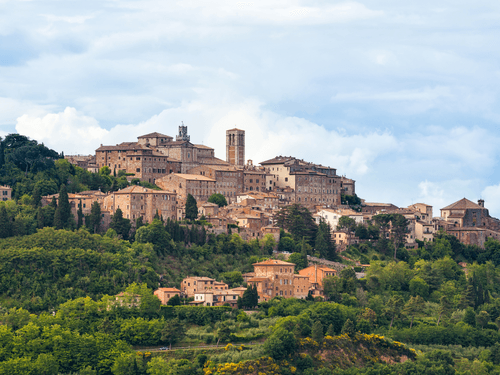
(402, 98)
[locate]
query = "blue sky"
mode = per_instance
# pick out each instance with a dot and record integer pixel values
(401, 96)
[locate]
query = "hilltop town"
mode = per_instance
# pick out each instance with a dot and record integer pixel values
(254, 195)
(160, 242)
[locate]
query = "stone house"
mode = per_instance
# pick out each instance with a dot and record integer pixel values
(164, 294)
(229, 179)
(194, 284)
(311, 184)
(316, 274)
(273, 278)
(5, 193)
(216, 298)
(137, 201)
(200, 187)
(469, 222)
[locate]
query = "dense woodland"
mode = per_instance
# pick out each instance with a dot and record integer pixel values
(414, 311)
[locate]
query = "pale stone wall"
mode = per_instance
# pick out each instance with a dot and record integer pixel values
(200, 187)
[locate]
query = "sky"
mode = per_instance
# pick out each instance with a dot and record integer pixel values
(403, 97)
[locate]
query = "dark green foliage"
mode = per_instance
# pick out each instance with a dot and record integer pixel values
(156, 234)
(173, 331)
(300, 261)
(324, 244)
(218, 199)
(280, 344)
(191, 208)
(317, 331)
(5, 223)
(351, 200)
(174, 301)
(40, 271)
(93, 221)
(119, 224)
(349, 327)
(250, 297)
(63, 217)
(297, 220)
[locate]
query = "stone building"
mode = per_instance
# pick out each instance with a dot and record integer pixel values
(316, 275)
(229, 180)
(196, 284)
(235, 146)
(144, 162)
(301, 286)
(311, 184)
(200, 187)
(254, 178)
(164, 294)
(86, 199)
(5, 193)
(332, 216)
(347, 186)
(470, 223)
(138, 201)
(155, 155)
(216, 298)
(273, 278)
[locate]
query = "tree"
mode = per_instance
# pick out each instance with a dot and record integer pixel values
(93, 221)
(119, 224)
(191, 208)
(444, 307)
(482, 318)
(414, 307)
(156, 234)
(250, 297)
(218, 199)
(37, 197)
(299, 259)
(317, 332)
(173, 332)
(174, 301)
(348, 225)
(324, 244)
(80, 215)
(233, 278)
(5, 223)
(349, 327)
(394, 307)
(399, 231)
(280, 344)
(297, 220)
(63, 217)
(470, 317)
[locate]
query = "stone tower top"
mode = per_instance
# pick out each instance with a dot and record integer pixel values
(235, 146)
(183, 133)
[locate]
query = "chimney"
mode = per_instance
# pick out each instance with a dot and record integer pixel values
(481, 202)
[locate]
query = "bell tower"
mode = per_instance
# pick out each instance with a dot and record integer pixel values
(235, 146)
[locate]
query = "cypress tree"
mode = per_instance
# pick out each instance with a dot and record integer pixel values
(80, 215)
(40, 218)
(37, 197)
(191, 208)
(5, 223)
(53, 203)
(63, 211)
(95, 217)
(119, 224)
(317, 332)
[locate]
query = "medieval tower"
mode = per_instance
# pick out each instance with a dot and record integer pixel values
(235, 146)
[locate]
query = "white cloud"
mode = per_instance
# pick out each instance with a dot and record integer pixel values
(491, 196)
(68, 130)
